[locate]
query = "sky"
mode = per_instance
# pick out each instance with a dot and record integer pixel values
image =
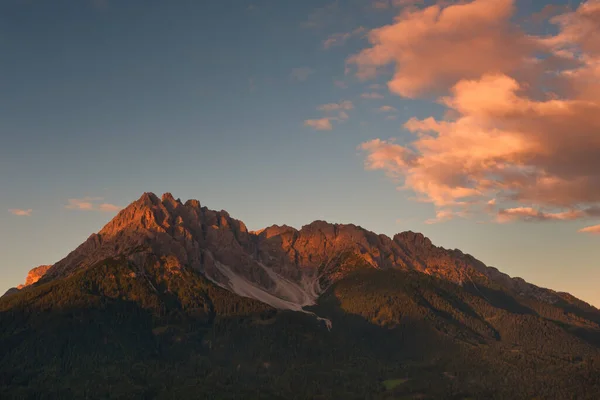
(475, 122)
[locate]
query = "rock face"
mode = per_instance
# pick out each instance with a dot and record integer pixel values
(279, 265)
(35, 275)
(11, 291)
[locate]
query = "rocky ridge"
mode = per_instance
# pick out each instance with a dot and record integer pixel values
(35, 275)
(279, 265)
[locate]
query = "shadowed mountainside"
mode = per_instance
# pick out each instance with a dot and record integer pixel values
(172, 301)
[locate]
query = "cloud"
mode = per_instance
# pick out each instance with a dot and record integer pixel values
(381, 4)
(338, 39)
(321, 124)
(522, 129)
(385, 4)
(20, 212)
(433, 48)
(336, 112)
(108, 207)
(579, 30)
(301, 74)
(531, 214)
(386, 109)
(595, 229)
(343, 105)
(501, 145)
(91, 204)
(548, 11)
(340, 84)
(445, 215)
(372, 96)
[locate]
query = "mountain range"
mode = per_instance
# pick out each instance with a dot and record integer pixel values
(174, 300)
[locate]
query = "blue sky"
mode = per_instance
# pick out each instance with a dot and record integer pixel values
(208, 100)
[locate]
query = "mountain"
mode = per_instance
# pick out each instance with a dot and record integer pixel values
(173, 300)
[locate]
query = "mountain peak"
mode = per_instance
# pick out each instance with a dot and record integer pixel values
(167, 196)
(148, 198)
(413, 238)
(193, 204)
(278, 261)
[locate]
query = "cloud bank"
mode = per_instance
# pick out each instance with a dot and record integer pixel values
(521, 135)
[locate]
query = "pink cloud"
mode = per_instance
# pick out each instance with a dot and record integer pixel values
(108, 207)
(445, 215)
(522, 125)
(501, 145)
(321, 124)
(386, 109)
(595, 229)
(433, 48)
(20, 212)
(531, 214)
(381, 4)
(579, 30)
(91, 204)
(335, 112)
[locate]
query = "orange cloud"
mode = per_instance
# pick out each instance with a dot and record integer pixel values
(502, 145)
(339, 109)
(321, 124)
(445, 215)
(521, 130)
(595, 229)
(579, 30)
(433, 48)
(531, 214)
(386, 109)
(20, 212)
(91, 204)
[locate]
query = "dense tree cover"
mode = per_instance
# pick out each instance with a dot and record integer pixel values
(118, 331)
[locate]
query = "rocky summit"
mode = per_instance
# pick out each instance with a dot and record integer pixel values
(279, 265)
(174, 300)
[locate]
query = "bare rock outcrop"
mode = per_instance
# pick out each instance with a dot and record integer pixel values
(278, 261)
(35, 275)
